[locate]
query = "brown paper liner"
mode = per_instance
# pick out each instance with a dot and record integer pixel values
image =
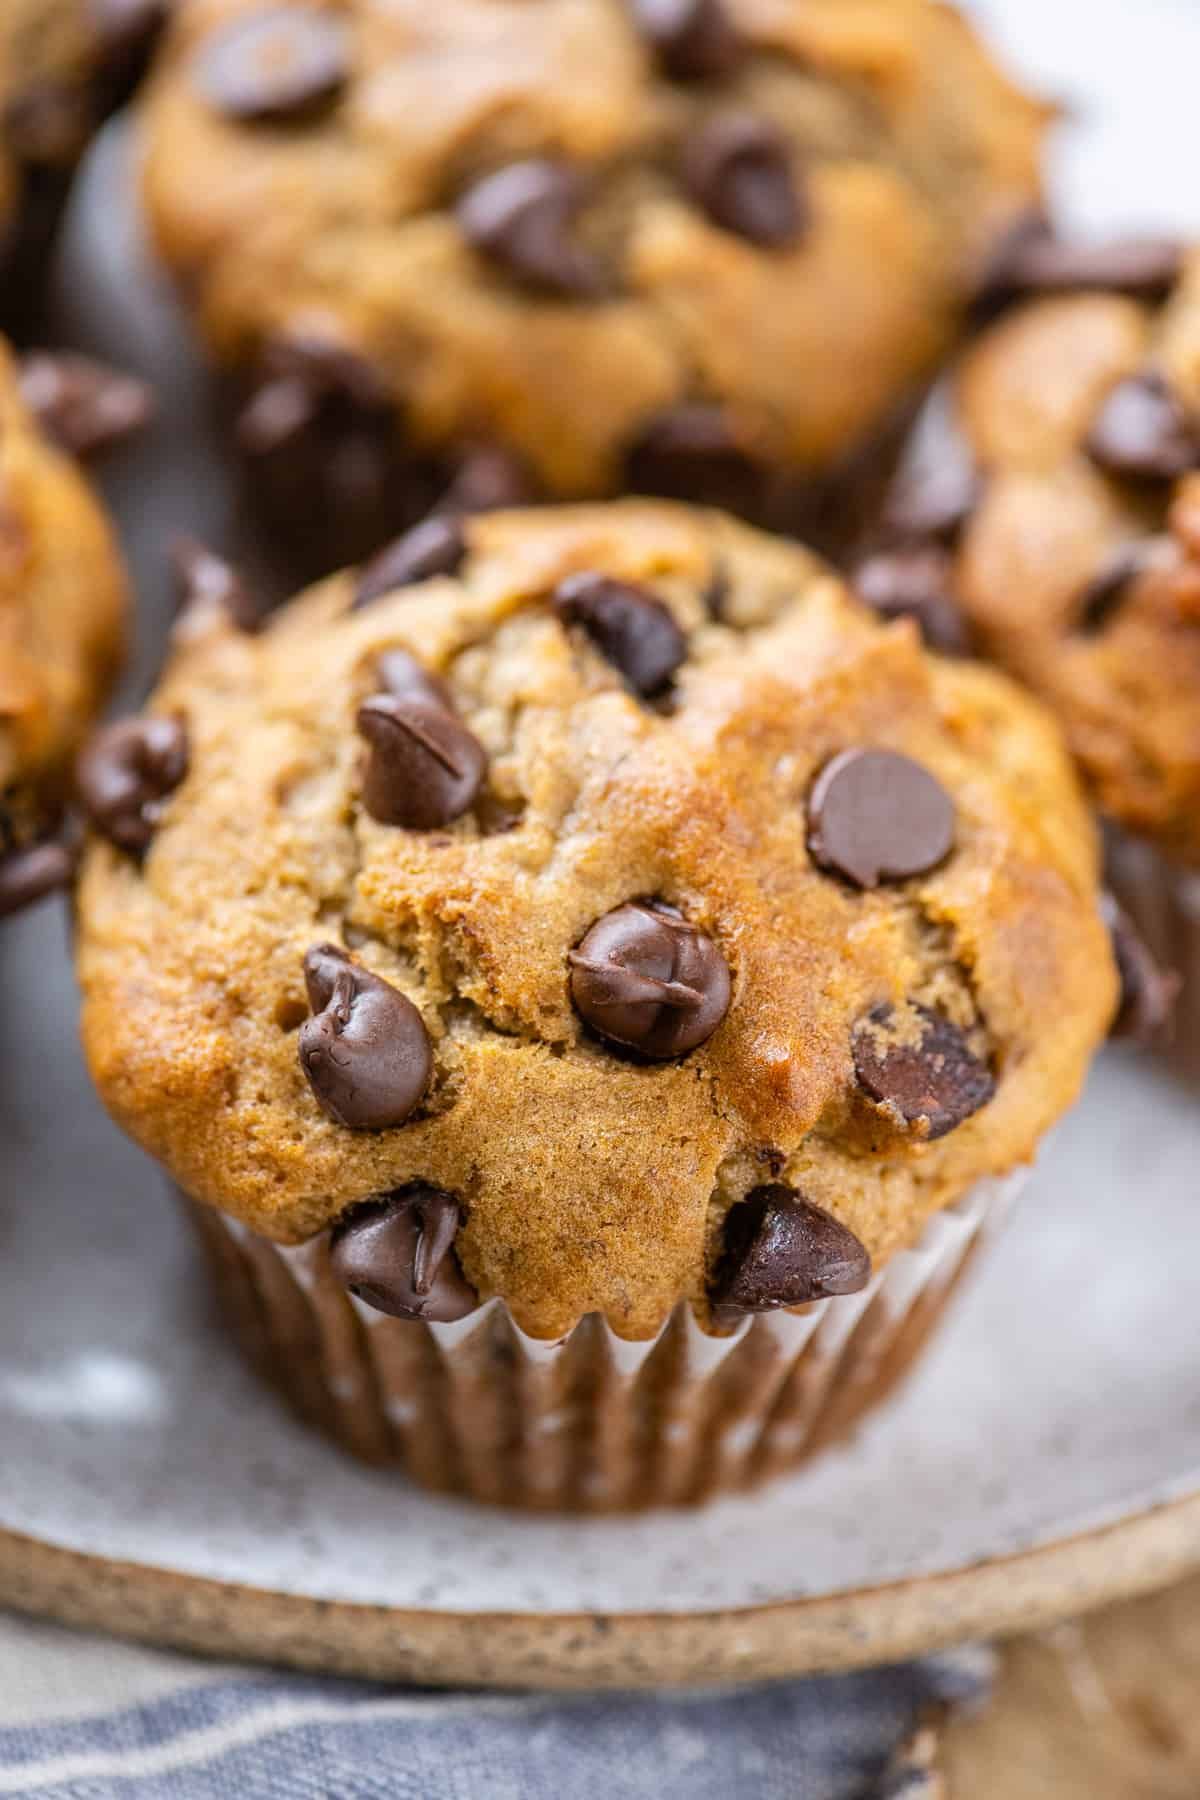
(591, 1422)
(1163, 900)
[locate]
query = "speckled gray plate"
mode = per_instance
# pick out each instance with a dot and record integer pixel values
(1046, 1457)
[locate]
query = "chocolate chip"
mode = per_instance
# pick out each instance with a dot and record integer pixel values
(424, 769)
(279, 65)
(932, 504)
(397, 1255)
(1142, 431)
(488, 479)
(920, 1069)
(125, 774)
(875, 815)
(83, 405)
(365, 1050)
(738, 170)
(401, 675)
(916, 582)
(1038, 262)
(693, 40)
(128, 31)
(210, 591)
(1148, 992)
(632, 629)
(436, 546)
(28, 875)
(691, 453)
(522, 217)
(644, 977)
(781, 1250)
(300, 381)
(1107, 589)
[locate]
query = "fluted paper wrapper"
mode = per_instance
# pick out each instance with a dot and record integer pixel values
(591, 1422)
(1163, 900)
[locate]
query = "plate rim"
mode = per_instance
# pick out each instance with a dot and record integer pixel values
(1023, 1590)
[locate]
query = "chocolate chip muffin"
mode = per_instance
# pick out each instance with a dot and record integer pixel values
(494, 251)
(62, 612)
(589, 978)
(64, 64)
(1070, 538)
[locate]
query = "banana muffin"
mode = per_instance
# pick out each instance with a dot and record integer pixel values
(64, 64)
(1068, 534)
(62, 618)
(591, 980)
(493, 251)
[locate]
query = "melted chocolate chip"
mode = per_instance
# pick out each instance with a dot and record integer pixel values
(693, 40)
(436, 546)
(1037, 262)
(397, 1255)
(916, 582)
(522, 217)
(631, 628)
(488, 479)
(424, 769)
(210, 591)
(875, 815)
(1148, 993)
(127, 28)
(84, 406)
(645, 978)
(402, 676)
(781, 1250)
(1142, 431)
(1106, 591)
(926, 1076)
(28, 875)
(125, 774)
(365, 1051)
(276, 66)
(690, 453)
(739, 172)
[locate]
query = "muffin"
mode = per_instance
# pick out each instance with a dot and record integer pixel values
(62, 616)
(592, 982)
(1069, 536)
(64, 64)
(491, 252)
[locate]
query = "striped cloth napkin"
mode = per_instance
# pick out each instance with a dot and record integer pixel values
(86, 1719)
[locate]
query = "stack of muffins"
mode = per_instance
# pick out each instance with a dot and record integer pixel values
(595, 975)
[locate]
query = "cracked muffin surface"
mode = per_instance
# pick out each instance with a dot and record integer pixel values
(590, 232)
(1078, 566)
(654, 946)
(62, 619)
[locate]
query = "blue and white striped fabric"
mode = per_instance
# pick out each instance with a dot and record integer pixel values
(83, 1719)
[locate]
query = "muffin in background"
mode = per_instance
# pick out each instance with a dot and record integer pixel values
(63, 602)
(1064, 524)
(64, 65)
(594, 986)
(492, 252)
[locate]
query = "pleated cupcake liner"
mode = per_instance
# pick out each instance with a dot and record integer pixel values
(1163, 900)
(591, 1422)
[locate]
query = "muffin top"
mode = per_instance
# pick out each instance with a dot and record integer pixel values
(615, 871)
(1079, 564)
(62, 615)
(590, 231)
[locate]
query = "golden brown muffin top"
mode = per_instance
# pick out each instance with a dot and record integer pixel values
(554, 226)
(62, 613)
(1079, 567)
(593, 1179)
